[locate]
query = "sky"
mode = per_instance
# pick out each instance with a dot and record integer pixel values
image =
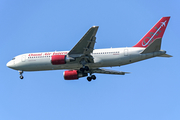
(150, 92)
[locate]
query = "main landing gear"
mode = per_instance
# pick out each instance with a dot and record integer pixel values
(20, 73)
(92, 77)
(86, 68)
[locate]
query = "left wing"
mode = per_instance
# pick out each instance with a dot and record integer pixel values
(86, 45)
(106, 71)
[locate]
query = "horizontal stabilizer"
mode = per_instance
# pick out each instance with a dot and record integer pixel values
(165, 55)
(153, 47)
(106, 71)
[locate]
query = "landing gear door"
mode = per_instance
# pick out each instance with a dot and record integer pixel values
(23, 58)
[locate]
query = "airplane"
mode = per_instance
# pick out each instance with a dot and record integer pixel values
(84, 61)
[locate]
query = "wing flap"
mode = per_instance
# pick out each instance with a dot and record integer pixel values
(106, 71)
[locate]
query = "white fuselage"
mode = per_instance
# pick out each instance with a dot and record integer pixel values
(102, 58)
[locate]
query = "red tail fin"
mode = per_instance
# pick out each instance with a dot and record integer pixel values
(155, 32)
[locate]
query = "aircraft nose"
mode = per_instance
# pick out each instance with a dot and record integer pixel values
(10, 64)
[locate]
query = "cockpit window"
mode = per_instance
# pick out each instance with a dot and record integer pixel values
(13, 59)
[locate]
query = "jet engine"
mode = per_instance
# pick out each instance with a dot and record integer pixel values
(73, 75)
(61, 59)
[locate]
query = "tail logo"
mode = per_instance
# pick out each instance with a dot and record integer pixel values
(150, 39)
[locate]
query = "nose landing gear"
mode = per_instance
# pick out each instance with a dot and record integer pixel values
(21, 77)
(20, 73)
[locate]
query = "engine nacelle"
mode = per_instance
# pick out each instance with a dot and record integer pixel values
(60, 59)
(73, 75)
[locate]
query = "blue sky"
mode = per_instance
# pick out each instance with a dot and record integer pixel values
(151, 91)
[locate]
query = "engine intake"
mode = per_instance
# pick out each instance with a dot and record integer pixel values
(73, 75)
(61, 59)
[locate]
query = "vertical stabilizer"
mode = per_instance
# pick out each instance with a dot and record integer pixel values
(155, 32)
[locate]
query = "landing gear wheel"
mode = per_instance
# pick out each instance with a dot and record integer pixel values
(86, 68)
(89, 79)
(21, 77)
(93, 77)
(82, 69)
